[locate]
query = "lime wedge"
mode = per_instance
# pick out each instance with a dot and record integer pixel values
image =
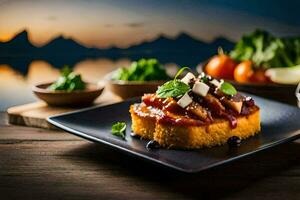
(287, 75)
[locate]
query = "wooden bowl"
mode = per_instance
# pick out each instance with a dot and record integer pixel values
(129, 89)
(77, 98)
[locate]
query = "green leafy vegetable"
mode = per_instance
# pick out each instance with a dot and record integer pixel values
(267, 51)
(142, 70)
(118, 129)
(228, 89)
(172, 88)
(68, 81)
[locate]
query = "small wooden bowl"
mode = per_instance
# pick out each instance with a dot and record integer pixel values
(129, 89)
(77, 98)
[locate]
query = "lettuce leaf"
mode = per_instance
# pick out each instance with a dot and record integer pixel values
(267, 51)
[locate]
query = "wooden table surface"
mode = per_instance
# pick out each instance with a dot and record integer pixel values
(44, 164)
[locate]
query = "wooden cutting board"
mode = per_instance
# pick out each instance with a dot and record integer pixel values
(36, 114)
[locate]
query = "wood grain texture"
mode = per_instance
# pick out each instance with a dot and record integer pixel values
(35, 114)
(44, 164)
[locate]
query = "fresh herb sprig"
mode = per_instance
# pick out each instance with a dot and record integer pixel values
(173, 88)
(181, 71)
(119, 129)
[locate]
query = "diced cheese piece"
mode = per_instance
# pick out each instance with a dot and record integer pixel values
(185, 100)
(216, 83)
(237, 106)
(200, 88)
(188, 77)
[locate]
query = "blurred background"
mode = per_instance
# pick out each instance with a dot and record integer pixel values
(37, 38)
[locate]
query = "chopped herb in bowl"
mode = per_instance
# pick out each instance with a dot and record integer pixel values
(68, 81)
(142, 70)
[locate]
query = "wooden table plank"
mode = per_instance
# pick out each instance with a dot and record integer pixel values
(44, 164)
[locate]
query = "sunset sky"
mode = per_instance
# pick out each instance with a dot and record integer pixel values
(123, 23)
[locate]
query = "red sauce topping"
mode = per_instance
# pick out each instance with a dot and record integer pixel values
(169, 112)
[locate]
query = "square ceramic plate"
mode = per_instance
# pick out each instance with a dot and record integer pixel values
(280, 123)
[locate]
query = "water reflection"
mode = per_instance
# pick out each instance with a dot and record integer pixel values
(95, 69)
(41, 71)
(15, 87)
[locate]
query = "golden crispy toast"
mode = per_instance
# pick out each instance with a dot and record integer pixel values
(193, 137)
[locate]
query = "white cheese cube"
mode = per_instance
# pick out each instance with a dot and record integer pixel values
(216, 83)
(185, 100)
(200, 88)
(188, 77)
(237, 106)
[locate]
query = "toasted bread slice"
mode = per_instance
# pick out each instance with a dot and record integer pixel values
(193, 137)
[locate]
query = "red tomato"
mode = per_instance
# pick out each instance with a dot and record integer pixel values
(243, 72)
(259, 76)
(220, 66)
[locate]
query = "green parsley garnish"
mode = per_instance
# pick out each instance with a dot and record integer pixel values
(228, 89)
(173, 88)
(118, 129)
(68, 81)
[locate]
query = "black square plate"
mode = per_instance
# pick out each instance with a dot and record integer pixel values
(280, 123)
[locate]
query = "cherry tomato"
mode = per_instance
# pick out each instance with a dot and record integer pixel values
(220, 66)
(259, 76)
(243, 72)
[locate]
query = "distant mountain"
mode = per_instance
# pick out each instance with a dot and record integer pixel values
(221, 42)
(65, 45)
(183, 50)
(182, 44)
(17, 46)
